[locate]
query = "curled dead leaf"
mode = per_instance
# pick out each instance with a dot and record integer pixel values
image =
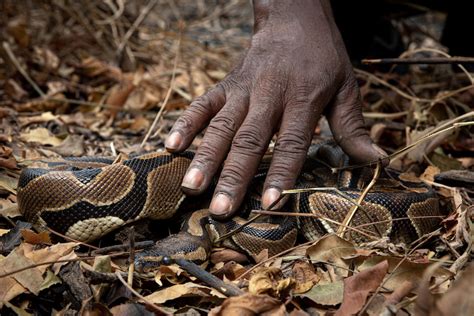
(305, 276)
(249, 305)
(358, 287)
(270, 281)
(40, 135)
(332, 249)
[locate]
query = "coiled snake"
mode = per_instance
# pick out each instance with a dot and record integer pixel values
(85, 198)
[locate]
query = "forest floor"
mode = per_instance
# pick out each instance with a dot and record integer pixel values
(89, 79)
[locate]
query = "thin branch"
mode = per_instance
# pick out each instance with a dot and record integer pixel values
(23, 72)
(153, 306)
(208, 278)
(420, 60)
(347, 220)
(327, 219)
(284, 252)
(6, 274)
(146, 10)
(168, 94)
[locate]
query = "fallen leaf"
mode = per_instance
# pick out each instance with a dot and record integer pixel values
(248, 305)
(72, 146)
(132, 309)
(326, 294)
(332, 249)
(36, 238)
(182, 290)
(8, 183)
(304, 275)
(43, 118)
(270, 281)
(358, 287)
(456, 301)
(49, 280)
(40, 135)
(13, 237)
(406, 271)
(18, 311)
(31, 278)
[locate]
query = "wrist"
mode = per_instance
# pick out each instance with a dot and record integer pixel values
(309, 12)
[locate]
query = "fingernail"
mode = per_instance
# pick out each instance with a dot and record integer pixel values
(193, 179)
(173, 141)
(220, 205)
(269, 197)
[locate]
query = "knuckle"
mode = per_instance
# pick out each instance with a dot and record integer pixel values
(207, 155)
(233, 178)
(292, 143)
(183, 124)
(249, 140)
(223, 125)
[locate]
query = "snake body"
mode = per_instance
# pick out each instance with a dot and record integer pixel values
(85, 198)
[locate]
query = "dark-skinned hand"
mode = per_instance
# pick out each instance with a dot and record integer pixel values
(295, 70)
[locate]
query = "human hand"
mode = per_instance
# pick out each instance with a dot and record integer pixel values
(295, 70)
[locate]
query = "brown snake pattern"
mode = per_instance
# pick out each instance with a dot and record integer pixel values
(85, 203)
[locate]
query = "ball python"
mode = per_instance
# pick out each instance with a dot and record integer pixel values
(86, 198)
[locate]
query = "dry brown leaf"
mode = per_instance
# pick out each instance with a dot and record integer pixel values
(14, 90)
(30, 279)
(332, 249)
(45, 58)
(358, 287)
(17, 28)
(270, 281)
(406, 271)
(249, 305)
(182, 290)
(118, 95)
(43, 118)
(329, 294)
(72, 146)
(457, 301)
(8, 183)
(305, 276)
(40, 135)
(226, 255)
(93, 67)
(130, 309)
(36, 238)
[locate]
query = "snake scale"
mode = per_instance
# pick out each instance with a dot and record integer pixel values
(86, 198)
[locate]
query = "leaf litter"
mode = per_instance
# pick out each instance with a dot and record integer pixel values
(88, 80)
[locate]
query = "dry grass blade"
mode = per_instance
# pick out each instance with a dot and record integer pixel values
(168, 94)
(158, 310)
(347, 220)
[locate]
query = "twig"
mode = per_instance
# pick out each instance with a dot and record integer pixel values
(153, 306)
(23, 72)
(6, 274)
(138, 245)
(150, 5)
(249, 221)
(412, 145)
(274, 257)
(421, 240)
(209, 279)
(347, 220)
(420, 60)
(276, 213)
(168, 94)
(440, 52)
(131, 267)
